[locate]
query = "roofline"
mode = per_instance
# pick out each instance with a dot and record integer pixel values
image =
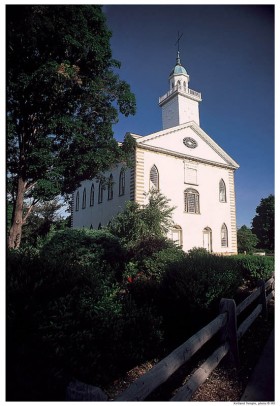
(187, 157)
(199, 132)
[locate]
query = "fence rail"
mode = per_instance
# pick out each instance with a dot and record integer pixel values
(226, 324)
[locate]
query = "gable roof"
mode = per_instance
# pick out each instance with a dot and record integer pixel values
(170, 141)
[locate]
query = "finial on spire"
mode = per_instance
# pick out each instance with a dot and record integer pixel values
(178, 61)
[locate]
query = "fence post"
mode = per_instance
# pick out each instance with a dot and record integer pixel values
(262, 298)
(229, 331)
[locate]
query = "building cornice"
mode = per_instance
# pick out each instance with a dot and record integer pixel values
(184, 156)
(202, 134)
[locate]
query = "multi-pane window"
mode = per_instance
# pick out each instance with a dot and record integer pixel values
(222, 191)
(84, 202)
(224, 236)
(91, 197)
(110, 188)
(191, 201)
(176, 235)
(77, 201)
(154, 178)
(122, 183)
(100, 192)
(207, 239)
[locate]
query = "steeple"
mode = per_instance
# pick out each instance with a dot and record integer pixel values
(180, 104)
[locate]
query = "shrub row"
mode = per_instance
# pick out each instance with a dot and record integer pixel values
(91, 309)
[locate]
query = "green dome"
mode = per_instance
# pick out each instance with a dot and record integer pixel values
(178, 69)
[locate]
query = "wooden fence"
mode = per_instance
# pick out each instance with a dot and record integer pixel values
(226, 325)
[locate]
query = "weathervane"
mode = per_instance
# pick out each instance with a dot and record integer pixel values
(178, 40)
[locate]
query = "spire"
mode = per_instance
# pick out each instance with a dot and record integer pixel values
(178, 61)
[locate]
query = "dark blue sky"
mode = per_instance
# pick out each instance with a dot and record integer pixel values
(228, 51)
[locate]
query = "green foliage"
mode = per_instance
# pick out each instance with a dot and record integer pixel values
(87, 308)
(65, 315)
(66, 306)
(254, 268)
(43, 218)
(197, 252)
(60, 61)
(136, 223)
(246, 240)
(156, 264)
(263, 224)
(96, 250)
(142, 330)
(62, 89)
(192, 289)
(23, 275)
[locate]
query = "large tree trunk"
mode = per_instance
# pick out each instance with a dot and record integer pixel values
(17, 221)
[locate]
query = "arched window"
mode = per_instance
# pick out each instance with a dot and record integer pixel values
(222, 191)
(110, 188)
(84, 202)
(207, 239)
(224, 236)
(185, 87)
(91, 197)
(176, 235)
(154, 178)
(179, 84)
(122, 182)
(191, 201)
(77, 201)
(100, 192)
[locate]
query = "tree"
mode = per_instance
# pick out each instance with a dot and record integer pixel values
(43, 218)
(138, 222)
(246, 240)
(63, 95)
(263, 223)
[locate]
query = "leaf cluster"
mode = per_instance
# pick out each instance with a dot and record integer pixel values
(138, 222)
(246, 240)
(62, 87)
(263, 224)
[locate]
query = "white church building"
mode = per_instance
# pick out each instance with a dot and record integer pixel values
(184, 164)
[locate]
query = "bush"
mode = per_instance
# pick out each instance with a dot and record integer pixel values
(67, 309)
(86, 249)
(23, 278)
(71, 312)
(153, 256)
(69, 315)
(254, 268)
(142, 332)
(191, 290)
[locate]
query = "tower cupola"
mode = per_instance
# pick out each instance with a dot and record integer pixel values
(180, 104)
(178, 69)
